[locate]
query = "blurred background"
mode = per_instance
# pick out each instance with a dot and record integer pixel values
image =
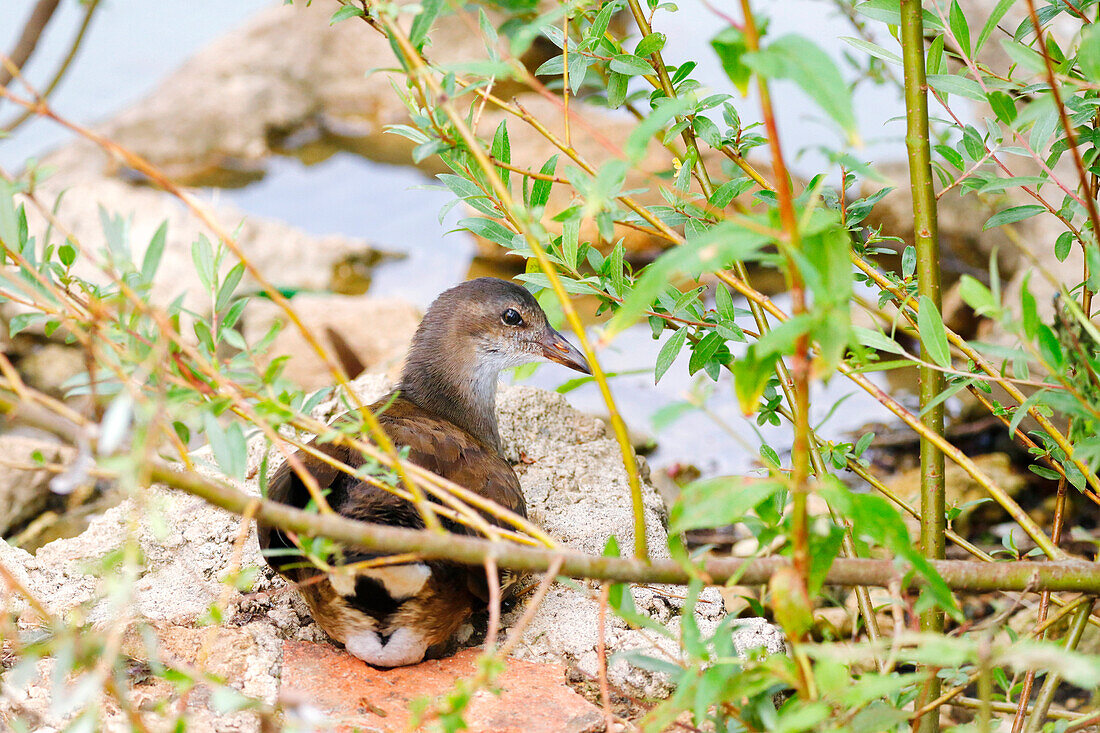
(137, 60)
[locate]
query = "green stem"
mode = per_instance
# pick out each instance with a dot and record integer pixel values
(800, 363)
(933, 522)
(1050, 686)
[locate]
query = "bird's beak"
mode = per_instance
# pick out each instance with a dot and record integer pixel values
(556, 348)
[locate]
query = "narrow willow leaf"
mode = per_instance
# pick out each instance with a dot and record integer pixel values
(877, 51)
(423, 21)
(800, 60)
(1062, 246)
(229, 286)
(977, 296)
(668, 353)
(991, 23)
(502, 150)
(1002, 106)
(153, 253)
(957, 21)
(958, 85)
(489, 229)
(1027, 58)
(347, 11)
(876, 340)
(889, 12)
(934, 60)
(933, 336)
(616, 89)
(1012, 214)
(630, 65)
(540, 189)
(723, 302)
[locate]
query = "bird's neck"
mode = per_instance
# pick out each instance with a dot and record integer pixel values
(459, 385)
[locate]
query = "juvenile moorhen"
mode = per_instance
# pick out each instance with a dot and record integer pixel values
(443, 412)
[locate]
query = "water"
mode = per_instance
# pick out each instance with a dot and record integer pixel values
(133, 44)
(130, 46)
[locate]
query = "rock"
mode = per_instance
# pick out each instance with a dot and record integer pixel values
(49, 366)
(288, 257)
(534, 697)
(24, 489)
(284, 81)
(961, 489)
(576, 489)
(377, 331)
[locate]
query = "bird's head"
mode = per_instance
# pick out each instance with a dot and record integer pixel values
(468, 335)
(496, 324)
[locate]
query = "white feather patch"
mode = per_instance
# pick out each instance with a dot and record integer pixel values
(400, 581)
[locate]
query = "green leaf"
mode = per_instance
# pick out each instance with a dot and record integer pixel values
(961, 86)
(718, 502)
(540, 190)
(489, 229)
(1020, 54)
(347, 11)
(202, 255)
(714, 249)
(889, 12)
(630, 65)
(957, 21)
(1012, 214)
(423, 21)
(1088, 55)
(877, 51)
(731, 48)
(502, 150)
(1002, 106)
(800, 60)
(668, 353)
(1050, 349)
(229, 286)
(651, 44)
(876, 340)
(934, 60)
(977, 296)
(723, 302)
(933, 336)
(1029, 310)
(616, 89)
(67, 254)
(991, 23)
(153, 253)
(728, 191)
(874, 518)
(704, 350)
(1062, 246)
(599, 26)
(9, 226)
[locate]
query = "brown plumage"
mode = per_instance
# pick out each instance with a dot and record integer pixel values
(443, 413)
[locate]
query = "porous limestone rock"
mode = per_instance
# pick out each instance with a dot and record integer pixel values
(576, 488)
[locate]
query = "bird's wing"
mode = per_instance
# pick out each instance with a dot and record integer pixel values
(454, 454)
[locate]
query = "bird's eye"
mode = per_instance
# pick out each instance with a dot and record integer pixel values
(511, 318)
